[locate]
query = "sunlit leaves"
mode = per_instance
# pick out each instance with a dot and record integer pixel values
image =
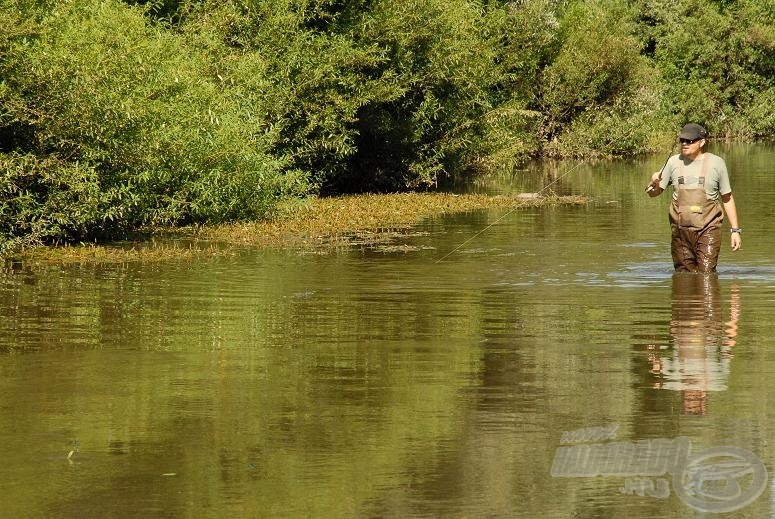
(207, 111)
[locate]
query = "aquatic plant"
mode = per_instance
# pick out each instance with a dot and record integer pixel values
(319, 225)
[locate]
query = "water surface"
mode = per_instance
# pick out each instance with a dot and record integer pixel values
(380, 383)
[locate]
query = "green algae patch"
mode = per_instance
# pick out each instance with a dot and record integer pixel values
(163, 247)
(316, 225)
(333, 219)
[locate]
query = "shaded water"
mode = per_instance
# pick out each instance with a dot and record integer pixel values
(367, 383)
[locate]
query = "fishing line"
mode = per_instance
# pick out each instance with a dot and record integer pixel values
(506, 214)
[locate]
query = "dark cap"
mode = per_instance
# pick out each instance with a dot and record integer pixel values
(693, 131)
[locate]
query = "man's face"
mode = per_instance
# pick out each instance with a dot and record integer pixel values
(691, 146)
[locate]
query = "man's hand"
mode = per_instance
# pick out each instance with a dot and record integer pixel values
(654, 189)
(736, 241)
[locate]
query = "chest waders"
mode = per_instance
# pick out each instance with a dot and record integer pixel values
(695, 222)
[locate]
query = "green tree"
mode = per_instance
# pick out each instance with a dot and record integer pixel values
(598, 95)
(716, 61)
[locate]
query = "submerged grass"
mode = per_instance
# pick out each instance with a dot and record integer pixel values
(314, 225)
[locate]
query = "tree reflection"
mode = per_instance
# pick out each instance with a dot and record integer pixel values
(702, 341)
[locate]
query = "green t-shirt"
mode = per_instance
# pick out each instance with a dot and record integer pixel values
(716, 175)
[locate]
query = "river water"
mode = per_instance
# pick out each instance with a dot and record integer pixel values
(382, 382)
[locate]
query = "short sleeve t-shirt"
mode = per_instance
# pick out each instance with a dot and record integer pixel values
(716, 175)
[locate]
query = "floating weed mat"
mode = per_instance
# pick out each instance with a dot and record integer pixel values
(157, 249)
(363, 219)
(392, 249)
(312, 226)
(378, 240)
(376, 222)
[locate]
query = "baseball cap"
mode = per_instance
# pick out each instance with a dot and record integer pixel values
(693, 131)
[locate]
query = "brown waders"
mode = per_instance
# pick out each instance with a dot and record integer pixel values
(695, 222)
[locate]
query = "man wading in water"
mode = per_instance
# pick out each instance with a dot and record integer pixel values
(699, 179)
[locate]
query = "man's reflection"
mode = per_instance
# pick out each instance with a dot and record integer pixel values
(702, 341)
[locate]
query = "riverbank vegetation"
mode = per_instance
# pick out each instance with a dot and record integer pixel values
(314, 225)
(121, 115)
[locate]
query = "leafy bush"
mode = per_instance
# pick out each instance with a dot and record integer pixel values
(598, 94)
(42, 200)
(147, 112)
(407, 141)
(446, 58)
(378, 95)
(715, 61)
(318, 79)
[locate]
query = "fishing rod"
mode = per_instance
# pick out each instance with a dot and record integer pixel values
(506, 214)
(650, 187)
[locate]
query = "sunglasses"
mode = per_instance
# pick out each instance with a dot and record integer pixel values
(690, 141)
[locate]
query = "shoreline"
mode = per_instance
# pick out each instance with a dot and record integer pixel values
(313, 225)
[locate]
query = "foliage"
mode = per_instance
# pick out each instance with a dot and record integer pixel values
(146, 113)
(598, 94)
(319, 77)
(444, 70)
(717, 62)
(44, 200)
(117, 115)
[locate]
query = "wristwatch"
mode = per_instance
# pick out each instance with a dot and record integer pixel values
(736, 229)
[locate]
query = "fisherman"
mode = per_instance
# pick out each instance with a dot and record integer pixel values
(699, 180)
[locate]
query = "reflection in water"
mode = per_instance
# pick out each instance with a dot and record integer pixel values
(702, 341)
